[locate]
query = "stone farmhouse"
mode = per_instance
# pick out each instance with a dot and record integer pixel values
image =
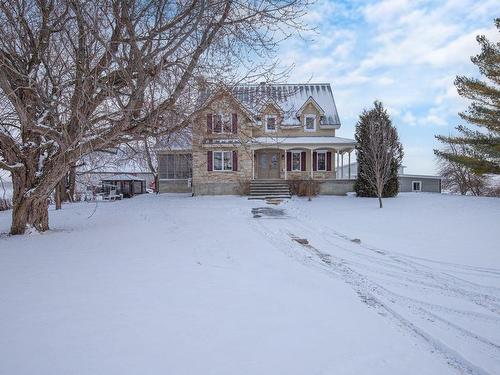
(264, 136)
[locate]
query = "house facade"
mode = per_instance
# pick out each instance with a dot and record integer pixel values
(260, 132)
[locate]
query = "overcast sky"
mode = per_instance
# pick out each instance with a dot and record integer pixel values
(404, 53)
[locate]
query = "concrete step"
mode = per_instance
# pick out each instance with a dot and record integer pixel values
(269, 189)
(269, 192)
(267, 183)
(271, 197)
(269, 180)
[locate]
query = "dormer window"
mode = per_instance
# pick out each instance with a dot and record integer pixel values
(310, 123)
(270, 123)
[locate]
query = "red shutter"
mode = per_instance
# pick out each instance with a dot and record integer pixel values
(209, 123)
(303, 161)
(235, 160)
(235, 123)
(315, 160)
(288, 161)
(209, 161)
(328, 161)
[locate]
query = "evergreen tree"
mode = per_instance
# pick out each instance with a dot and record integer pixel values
(481, 146)
(379, 153)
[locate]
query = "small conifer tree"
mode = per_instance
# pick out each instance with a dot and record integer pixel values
(379, 154)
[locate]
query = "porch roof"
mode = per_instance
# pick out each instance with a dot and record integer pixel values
(313, 141)
(123, 177)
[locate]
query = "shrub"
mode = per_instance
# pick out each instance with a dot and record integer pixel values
(304, 188)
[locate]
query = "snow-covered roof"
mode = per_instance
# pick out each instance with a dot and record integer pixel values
(290, 98)
(123, 177)
(304, 140)
(417, 175)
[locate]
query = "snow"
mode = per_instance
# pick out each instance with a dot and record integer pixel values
(304, 140)
(123, 177)
(189, 285)
(290, 98)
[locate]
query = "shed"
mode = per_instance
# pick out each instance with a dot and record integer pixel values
(418, 183)
(126, 184)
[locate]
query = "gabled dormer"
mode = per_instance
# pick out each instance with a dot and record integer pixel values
(310, 115)
(271, 116)
(223, 115)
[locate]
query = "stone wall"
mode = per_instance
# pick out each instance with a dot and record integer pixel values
(174, 186)
(217, 188)
(336, 187)
(211, 182)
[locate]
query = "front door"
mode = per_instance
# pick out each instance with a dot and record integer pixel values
(268, 165)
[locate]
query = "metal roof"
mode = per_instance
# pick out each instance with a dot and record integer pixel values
(123, 177)
(418, 176)
(290, 98)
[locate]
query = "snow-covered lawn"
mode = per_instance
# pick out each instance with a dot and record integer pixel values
(180, 285)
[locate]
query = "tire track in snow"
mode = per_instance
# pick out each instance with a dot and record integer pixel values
(447, 284)
(376, 296)
(484, 296)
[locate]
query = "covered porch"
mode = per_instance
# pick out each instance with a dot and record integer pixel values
(316, 158)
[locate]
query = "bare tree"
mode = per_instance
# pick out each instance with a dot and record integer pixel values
(458, 178)
(74, 76)
(379, 151)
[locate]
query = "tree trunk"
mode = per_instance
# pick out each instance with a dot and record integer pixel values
(30, 212)
(157, 183)
(58, 197)
(29, 209)
(71, 183)
(380, 201)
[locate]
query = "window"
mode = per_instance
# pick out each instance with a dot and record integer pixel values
(310, 123)
(270, 123)
(223, 161)
(296, 161)
(416, 186)
(321, 161)
(175, 166)
(222, 123)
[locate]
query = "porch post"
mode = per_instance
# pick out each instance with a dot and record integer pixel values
(349, 160)
(333, 164)
(253, 164)
(286, 164)
(342, 168)
(311, 156)
(338, 159)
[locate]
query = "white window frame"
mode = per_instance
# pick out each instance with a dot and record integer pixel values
(275, 123)
(224, 117)
(419, 184)
(300, 161)
(314, 123)
(222, 160)
(317, 161)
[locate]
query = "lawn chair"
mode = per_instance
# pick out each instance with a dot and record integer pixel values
(112, 196)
